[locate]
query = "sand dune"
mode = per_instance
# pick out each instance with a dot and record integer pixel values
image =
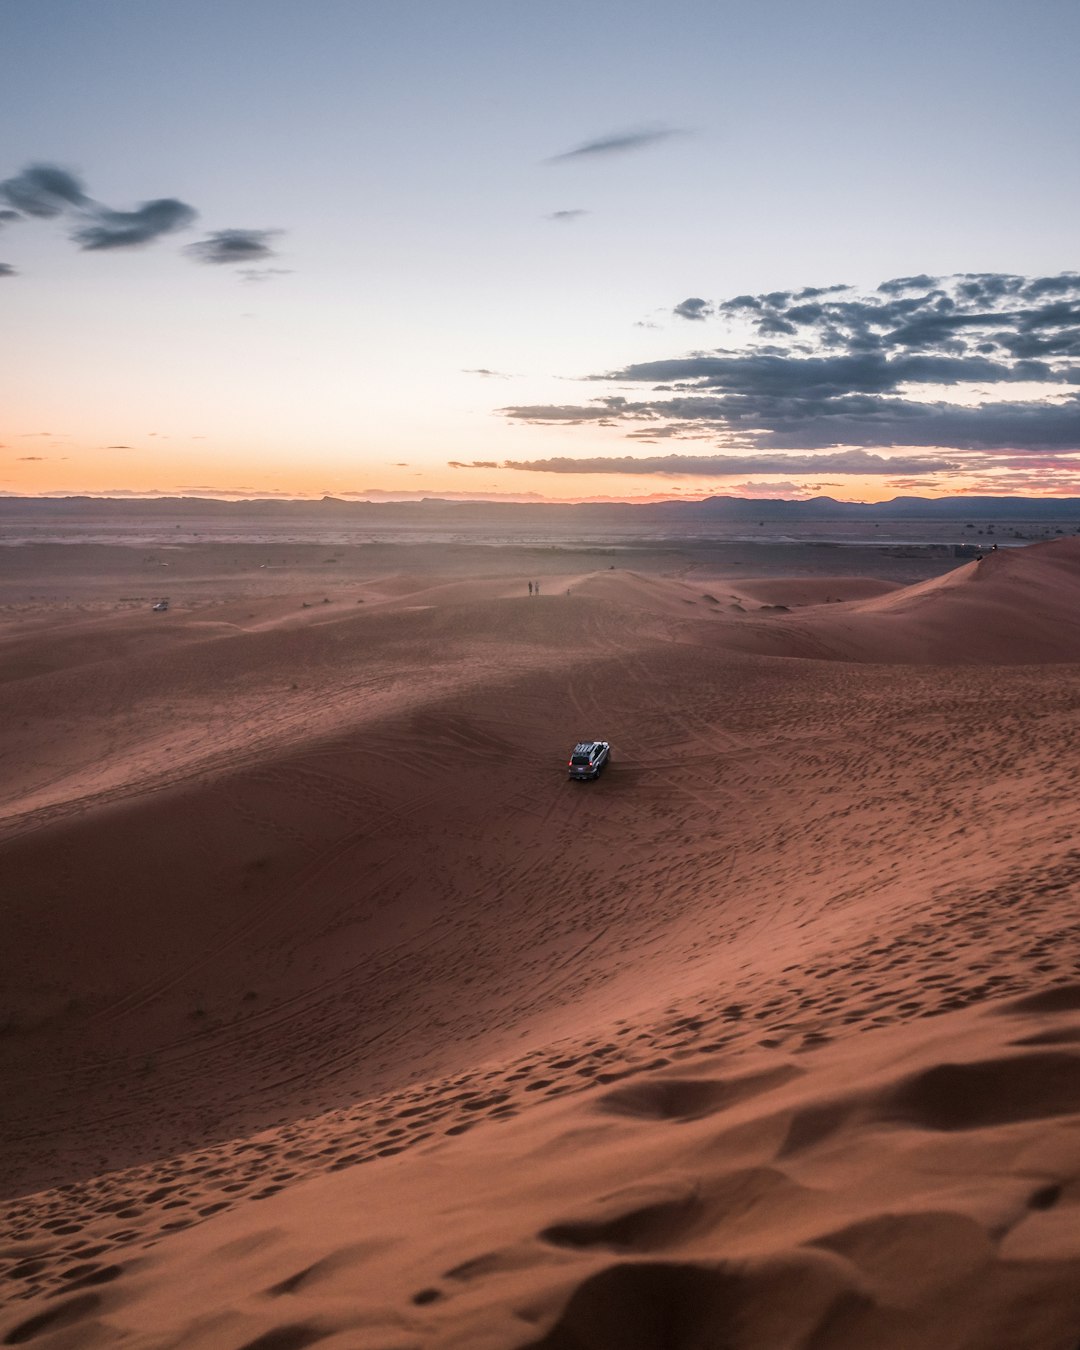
(769, 1037)
(1014, 606)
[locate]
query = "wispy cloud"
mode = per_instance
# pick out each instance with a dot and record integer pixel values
(256, 275)
(6, 270)
(422, 494)
(567, 217)
(618, 143)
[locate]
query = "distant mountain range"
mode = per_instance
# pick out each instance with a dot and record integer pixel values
(718, 509)
(899, 508)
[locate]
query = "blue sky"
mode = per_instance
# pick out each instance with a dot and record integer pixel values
(403, 166)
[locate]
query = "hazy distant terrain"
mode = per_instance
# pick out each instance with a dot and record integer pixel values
(731, 519)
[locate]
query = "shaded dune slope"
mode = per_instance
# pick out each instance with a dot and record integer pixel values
(798, 591)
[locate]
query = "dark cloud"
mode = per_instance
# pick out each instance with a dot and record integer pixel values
(6, 270)
(748, 303)
(773, 421)
(723, 466)
(693, 308)
(986, 287)
(982, 313)
(233, 246)
(1066, 283)
(864, 372)
(473, 464)
(43, 190)
(618, 143)
(1029, 426)
(812, 292)
(132, 229)
(571, 413)
(483, 370)
(899, 284)
(32, 459)
(567, 217)
(118, 447)
(832, 368)
(654, 432)
(47, 190)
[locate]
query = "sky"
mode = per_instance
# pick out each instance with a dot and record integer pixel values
(577, 251)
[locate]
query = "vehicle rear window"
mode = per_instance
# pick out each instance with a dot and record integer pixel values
(580, 759)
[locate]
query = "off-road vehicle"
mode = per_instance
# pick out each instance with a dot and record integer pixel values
(588, 758)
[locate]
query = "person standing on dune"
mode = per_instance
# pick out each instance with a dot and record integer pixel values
(530, 588)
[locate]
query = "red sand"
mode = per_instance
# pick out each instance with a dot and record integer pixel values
(769, 1038)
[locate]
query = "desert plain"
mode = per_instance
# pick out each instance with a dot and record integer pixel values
(332, 1014)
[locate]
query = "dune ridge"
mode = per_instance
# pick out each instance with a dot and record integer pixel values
(1011, 607)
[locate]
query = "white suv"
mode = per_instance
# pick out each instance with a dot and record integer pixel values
(588, 758)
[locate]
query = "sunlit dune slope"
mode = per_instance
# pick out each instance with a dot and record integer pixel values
(1014, 606)
(124, 702)
(120, 702)
(659, 594)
